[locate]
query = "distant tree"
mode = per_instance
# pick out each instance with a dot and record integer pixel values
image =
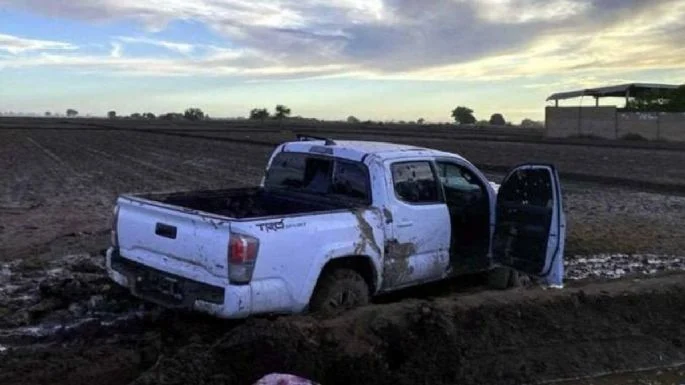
(659, 101)
(112, 114)
(136, 115)
(48, 113)
(530, 123)
(282, 112)
(149, 115)
(259, 114)
(72, 113)
(352, 120)
(421, 121)
(497, 120)
(194, 114)
(172, 116)
(463, 115)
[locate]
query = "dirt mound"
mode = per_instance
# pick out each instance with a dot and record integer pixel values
(511, 337)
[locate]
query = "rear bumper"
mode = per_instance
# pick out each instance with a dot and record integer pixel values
(212, 295)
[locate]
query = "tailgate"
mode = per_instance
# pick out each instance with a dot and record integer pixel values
(151, 233)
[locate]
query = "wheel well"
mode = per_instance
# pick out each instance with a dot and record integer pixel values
(358, 263)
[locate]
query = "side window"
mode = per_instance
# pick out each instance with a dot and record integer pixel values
(351, 180)
(455, 177)
(414, 182)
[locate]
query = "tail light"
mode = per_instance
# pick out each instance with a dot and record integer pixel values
(114, 238)
(242, 254)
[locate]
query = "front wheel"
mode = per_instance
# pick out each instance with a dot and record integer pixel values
(340, 289)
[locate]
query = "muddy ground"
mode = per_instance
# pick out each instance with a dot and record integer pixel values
(63, 321)
(66, 324)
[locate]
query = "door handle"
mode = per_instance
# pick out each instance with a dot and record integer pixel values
(405, 224)
(166, 231)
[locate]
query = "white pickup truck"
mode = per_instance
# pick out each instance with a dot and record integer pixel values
(332, 224)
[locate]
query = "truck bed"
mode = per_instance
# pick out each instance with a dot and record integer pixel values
(246, 202)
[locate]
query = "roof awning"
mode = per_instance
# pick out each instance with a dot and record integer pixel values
(633, 89)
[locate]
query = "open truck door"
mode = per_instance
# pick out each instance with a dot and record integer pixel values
(530, 226)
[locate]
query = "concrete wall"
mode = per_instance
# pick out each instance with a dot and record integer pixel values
(561, 122)
(607, 122)
(672, 126)
(643, 124)
(598, 121)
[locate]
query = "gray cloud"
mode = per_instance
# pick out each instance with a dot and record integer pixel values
(397, 36)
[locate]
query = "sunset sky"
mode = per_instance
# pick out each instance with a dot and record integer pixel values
(375, 59)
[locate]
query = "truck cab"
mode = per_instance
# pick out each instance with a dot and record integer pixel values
(334, 223)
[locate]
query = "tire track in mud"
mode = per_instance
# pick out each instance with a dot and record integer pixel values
(81, 177)
(228, 161)
(17, 195)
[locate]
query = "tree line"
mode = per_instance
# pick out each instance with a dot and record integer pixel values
(462, 115)
(195, 114)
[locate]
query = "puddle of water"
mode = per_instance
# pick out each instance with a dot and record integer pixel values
(615, 266)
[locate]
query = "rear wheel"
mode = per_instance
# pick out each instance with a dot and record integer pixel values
(339, 289)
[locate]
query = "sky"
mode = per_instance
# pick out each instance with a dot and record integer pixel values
(374, 59)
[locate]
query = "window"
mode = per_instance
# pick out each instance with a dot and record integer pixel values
(456, 177)
(414, 182)
(319, 175)
(350, 179)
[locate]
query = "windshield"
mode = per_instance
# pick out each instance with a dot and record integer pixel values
(319, 175)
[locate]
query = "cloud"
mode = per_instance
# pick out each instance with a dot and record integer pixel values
(215, 65)
(116, 50)
(182, 48)
(17, 45)
(389, 39)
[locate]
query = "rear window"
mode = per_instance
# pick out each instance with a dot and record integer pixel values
(319, 175)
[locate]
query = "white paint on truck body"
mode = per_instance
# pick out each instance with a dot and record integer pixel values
(293, 249)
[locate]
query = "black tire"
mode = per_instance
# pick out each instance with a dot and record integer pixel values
(340, 289)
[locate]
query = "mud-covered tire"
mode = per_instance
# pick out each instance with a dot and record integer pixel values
(340, 289)
(502, 278)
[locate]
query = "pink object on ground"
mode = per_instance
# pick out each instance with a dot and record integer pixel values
(283, 379)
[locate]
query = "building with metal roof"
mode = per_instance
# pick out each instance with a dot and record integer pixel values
(614, 122)
(628, 91)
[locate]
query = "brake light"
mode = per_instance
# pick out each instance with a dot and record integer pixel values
(114, 237)
(242, 254)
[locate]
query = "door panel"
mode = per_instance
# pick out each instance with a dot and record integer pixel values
(418, 246)
(529, 229)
